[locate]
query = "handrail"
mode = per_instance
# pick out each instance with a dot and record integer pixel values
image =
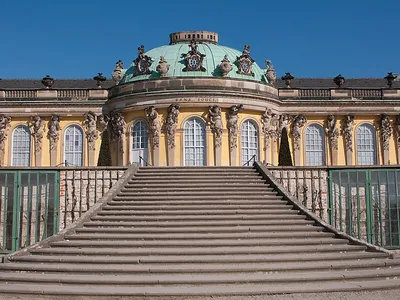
(251, 158)
(144, 161)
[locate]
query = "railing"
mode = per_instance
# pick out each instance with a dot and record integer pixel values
(252, 159)
(31, 94)
(72, 94)
(80, 188)
(311, 93)
(366, 93)
(144, 162)
(307, 184)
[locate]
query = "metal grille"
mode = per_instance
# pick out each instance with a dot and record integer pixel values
(194, 142)
(249, 141)
(366, 145)
(21, 146)
(315, 145)
(73, 147)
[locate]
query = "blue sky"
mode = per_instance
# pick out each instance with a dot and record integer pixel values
(309, 38)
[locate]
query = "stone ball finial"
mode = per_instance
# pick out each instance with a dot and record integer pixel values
(48, 81)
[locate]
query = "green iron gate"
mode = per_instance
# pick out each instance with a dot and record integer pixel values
(364, 203)
(29, 207)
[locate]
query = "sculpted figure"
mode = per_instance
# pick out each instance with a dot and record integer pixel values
(298, 122)
(214, 117)
(171, 122)
(117, 74)
(90, 122)
(397, 129)
(117, 129)
(347, 131)
(54, 128)
(284, 121)
(4, 126)
(155, 125)
(332, 132)
(233, 124)
(36, 124)
(268, 125)
(103, 122)
(386, 131)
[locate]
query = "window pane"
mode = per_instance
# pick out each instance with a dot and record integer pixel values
(249, 141)
(366, 145)
(73, 146)
(21, 146)
(314, 145)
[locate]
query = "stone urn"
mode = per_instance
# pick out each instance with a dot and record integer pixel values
(163, 67)
(225, 66)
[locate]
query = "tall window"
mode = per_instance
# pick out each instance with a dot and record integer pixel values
(73, 145)
(366, 145)
(315, 145)
(249, 141)
(140, 142)
(194, 138)
(21, 147)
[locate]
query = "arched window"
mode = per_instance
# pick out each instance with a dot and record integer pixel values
(314, 145)
(249, 141)
(194, 141)
(21, 147)
(73, 145)
(366, 145)
(140, 142)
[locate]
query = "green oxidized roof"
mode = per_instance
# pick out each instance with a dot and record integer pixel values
(173, 54)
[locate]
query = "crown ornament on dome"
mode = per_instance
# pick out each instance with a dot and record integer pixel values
(142, 62)
(194, 59)
(245, 62)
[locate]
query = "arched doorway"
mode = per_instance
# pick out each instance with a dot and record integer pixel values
(194, 142)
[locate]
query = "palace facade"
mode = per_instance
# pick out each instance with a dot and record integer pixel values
(196, 102)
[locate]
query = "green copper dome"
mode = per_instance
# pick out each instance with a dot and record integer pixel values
(174, 55)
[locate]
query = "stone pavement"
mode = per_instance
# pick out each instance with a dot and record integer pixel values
(374, 295)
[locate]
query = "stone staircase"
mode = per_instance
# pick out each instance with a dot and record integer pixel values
(197, 231)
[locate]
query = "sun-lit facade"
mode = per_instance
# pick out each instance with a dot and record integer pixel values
(196, 102)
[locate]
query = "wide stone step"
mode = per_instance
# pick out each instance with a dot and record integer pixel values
(195, 189)
(185, 223)
(211, 241)
(200, 279)
(245, 289)
(190, 206)
(196, 177)
(296, 267)
(222, 258)
(191, 194)
(198, 235)
(188, 197)
(195, 184)
(164, 217)
(203, 211)
(200, 180)
(193, 168)
(195, 173)
(198, 251)
(266, 202)
(198, 229)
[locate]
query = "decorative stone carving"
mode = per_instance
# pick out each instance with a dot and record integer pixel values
(275, 122)
(4, 126)
(99, 79)
(397, 130)
(298, 122)
(194, 59)
(53, 134)
(232, 124)
(214, 117)
(284, 121)
(332, 132)
(37, 125)
(170, 124)
(288, 79)
(386, 130)
(117, 127)
(347, 132)
(163, 67)
(390, 77)
(48, 81)
(225, 66)
(103, 122)
(90, 123)
(270, 74)
(117, 74)
(339, 80)
(245, 62)
(142, 62)
(268, 127)
(155, 125)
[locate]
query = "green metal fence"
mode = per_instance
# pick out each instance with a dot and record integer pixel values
(365, 204)
(29, 207)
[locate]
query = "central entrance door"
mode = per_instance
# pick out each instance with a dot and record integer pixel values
(194, 139)
(140, 142)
